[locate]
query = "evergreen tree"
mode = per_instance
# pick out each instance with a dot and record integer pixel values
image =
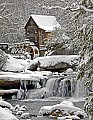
(84, 40)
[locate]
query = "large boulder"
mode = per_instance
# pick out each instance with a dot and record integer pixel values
(58, 62)
(33, 65)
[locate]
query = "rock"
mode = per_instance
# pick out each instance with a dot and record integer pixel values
(25, 116)
(58, 113)
(33, 65)
(69, 70)
(58, 63)
(80, 114)
(57, 67)
(23, 108)
(73, 117)
(19, 112)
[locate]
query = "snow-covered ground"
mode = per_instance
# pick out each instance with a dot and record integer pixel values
(6, 113)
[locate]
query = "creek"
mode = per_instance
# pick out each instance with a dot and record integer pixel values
(57, 88)
(35, 105)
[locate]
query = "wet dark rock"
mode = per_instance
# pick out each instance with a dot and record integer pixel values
(33, 66)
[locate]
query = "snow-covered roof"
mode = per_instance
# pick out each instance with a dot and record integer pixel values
(45, 22)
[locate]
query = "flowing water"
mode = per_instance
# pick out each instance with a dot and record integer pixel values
(59, 86)
(35, 105)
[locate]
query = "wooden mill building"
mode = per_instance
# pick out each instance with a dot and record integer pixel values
(39, 27)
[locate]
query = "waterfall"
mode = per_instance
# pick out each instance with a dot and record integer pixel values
(66, 86)
(52, 86)
(81, 90)
(62, 85)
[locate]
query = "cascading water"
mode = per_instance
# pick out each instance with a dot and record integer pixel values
(63, 85)
(64, 88)
(67, 86)
(81, 90)
(52, 86)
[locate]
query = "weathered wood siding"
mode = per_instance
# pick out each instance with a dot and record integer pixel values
(41, 34)
(48, 35)
(34, 33)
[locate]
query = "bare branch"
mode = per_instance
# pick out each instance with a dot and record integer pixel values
(3, 8)
(86, 9)
(91, 1)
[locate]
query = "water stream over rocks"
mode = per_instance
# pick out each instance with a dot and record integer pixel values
(64, 85)
(33, 107)
(59, 87)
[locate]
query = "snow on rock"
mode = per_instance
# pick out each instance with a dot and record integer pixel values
(22, 76)
(9, 91)
(25, 116)
(69, 70)
(53, 62)
(57, 61)
(54, 59)
(39, 73)
(23, 108)
(17, 107)
(33, 65)
(23, 62)
(6, 115)
(73, 117)
(67, 103)
(19, 112)
(66, 106)
(13, 64)
(81, 114)
(5, 104)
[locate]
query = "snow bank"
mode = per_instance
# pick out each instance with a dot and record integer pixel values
(28, 75)
(13, 64)
(5, 104)
(24, 63)
(6, 115)
(20, 76)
